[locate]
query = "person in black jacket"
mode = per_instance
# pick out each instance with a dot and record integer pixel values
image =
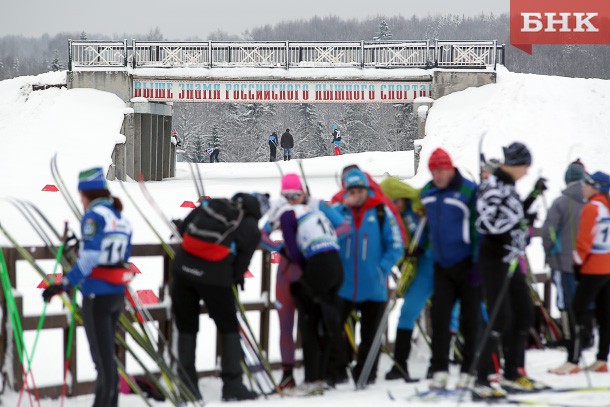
(501, 221)
(204, 270)
(287, 143)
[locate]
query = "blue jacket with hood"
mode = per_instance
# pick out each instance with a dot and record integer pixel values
(369, 251)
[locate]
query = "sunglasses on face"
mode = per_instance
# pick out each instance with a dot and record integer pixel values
(292, 196)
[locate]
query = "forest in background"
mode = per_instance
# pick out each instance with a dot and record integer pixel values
(241, 130)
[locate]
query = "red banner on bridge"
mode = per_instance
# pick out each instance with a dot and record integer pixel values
(280, 92)
(559, 22)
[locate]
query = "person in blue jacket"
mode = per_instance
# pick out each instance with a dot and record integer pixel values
(372, 247)
(450, 204)
(418, 293)
(273, 143)
(101, 271)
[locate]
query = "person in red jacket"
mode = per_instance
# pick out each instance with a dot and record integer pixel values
(592, 267)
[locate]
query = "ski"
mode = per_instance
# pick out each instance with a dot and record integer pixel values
(482, 161)
(436, 395)
(376, 344)
(153, 203)
(142, 339)
(300, 164)
(168, 249)
(256, 347)
(63, 189)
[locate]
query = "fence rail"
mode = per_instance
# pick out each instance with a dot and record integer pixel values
(159, 312)
(284, 54)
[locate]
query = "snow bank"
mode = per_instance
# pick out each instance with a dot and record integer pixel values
(559, 119)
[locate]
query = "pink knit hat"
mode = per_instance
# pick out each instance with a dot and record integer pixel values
(291, 183)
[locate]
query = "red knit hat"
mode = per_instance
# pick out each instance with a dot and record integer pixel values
(440, 160)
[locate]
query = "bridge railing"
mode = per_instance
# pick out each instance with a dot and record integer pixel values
(105, 54)
(466, 54)
(285, 54)
(398, 54)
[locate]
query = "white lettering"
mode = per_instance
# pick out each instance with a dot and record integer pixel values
(530, 19)
(563, 21)
(580, 22)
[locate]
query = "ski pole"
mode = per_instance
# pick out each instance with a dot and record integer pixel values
(492, 319)
(44, 309)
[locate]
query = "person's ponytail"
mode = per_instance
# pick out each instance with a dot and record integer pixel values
(116, 202)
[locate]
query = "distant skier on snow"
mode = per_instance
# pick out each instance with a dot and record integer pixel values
(336, 140)
(273, 143)
(213, 152)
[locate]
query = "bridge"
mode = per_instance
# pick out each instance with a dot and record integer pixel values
(149, 74)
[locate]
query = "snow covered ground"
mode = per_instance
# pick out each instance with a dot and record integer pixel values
(560, 119)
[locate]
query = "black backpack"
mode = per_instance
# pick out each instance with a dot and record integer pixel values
(211, 233)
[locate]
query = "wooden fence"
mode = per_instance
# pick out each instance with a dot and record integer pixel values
(160, 313)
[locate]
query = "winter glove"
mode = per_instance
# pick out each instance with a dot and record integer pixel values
(71, 246)
(540, 185)
(51, 291)
(239, 282)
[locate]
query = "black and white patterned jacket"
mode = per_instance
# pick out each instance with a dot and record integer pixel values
(500, 215)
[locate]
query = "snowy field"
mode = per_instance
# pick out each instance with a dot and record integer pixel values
(560, 119)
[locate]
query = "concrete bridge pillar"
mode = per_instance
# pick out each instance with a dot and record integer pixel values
(150, 152)
(147, 149)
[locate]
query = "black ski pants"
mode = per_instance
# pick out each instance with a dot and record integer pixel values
(214, 156)
(592, 288)
(220, 302)
(515, 315)
(272, 151)
(452, 284)
(319, 311)
(371, 313)
(100, 318)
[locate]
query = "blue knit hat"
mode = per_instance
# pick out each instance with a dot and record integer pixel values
(599, 180)
(92, 179)
(355, 179)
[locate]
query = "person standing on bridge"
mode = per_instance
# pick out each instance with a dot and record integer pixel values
(273, 143)
(287, 143)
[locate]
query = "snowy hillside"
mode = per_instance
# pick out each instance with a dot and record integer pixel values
(558, 118)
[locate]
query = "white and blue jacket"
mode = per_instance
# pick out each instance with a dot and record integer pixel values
(106, 241)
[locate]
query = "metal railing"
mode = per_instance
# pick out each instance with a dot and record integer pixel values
(285, 54)
(466, 54)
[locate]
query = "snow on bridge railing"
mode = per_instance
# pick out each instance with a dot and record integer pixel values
(285, 54)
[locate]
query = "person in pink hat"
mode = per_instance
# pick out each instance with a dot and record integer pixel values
(289, 272)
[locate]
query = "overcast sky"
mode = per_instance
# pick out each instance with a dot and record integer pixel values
(180, 19)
